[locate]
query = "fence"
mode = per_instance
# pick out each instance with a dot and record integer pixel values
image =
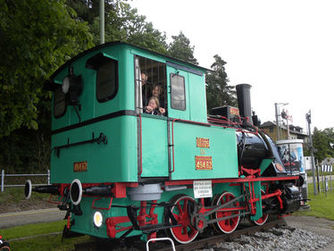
(326, 173)
(3, 176)
(324, 182)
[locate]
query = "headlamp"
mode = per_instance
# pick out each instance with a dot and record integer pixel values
(98, 219)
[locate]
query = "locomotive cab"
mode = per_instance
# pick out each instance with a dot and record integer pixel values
(99, 108)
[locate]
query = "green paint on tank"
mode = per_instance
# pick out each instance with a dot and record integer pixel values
(222, 149)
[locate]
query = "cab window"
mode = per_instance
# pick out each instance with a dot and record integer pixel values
(178, 97)
(150, 82)
(107, 80)
(59, 103)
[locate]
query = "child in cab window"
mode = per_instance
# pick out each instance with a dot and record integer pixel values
(153, 107)
(157, 92)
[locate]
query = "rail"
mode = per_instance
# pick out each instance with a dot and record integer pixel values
(4, 175)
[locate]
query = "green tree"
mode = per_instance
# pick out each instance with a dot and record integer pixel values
(322, 142)
(180, 48)
(149, 38)
(36, 38)
(218, 92)
(122, 23)
(88, 10)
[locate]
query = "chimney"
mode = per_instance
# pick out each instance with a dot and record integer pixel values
(244, 102)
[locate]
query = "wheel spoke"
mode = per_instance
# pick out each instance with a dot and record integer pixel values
(185, 207)
(185, 232)
(176, 216)
(179, 208)
(192, 228)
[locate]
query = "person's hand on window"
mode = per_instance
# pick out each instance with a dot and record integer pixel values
(162, 110)
(149, 108)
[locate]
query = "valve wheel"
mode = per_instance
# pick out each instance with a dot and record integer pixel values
(185, 233)
(229, 225)
(261, 221)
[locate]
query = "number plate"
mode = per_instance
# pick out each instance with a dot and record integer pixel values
(202, 189)
(80, 166)
(203, 142)
(203, 162)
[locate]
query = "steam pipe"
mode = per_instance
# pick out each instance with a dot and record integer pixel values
(28, 189)
(104, 190)
(52, 189)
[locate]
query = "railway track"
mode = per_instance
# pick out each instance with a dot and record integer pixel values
(207, 239)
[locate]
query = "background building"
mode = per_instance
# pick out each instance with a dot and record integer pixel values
(296, 132)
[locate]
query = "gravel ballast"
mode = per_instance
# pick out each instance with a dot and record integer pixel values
(301, 233)
(277, 239)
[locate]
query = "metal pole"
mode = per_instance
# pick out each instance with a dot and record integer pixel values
(287, 125)
(2, 180)
(318, 180)
(322, 174)
(308, 118)
(48, 176)
(277, 125)
(101, 21)
(326, 186)
(330, 178)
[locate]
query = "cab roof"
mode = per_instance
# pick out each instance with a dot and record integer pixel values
(110, 44)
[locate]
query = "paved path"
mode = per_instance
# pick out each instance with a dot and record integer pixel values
(31, 216)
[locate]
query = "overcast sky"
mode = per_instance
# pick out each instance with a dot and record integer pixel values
(283, 48)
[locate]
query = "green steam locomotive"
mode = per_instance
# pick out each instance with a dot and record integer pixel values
(134, 151)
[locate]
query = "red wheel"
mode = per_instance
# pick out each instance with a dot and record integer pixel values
(180, 210)
(229, 225)
(262, 220)
(264, 217)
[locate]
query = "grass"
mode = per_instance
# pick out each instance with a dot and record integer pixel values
(13, 199)
(322, 206)
(310, 173)
(41, 243)
(50, 243)
(14, 195)
(32, 229)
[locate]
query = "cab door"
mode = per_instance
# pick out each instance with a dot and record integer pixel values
(178, 112)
